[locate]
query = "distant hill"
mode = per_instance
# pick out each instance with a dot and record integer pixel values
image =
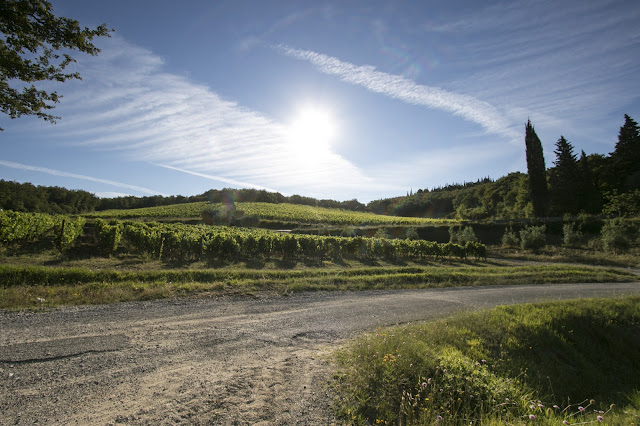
(593, 184)
(508, 197)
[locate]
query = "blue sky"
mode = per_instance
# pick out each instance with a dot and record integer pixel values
(341, 100)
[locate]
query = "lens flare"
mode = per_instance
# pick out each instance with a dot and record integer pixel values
(313, 130)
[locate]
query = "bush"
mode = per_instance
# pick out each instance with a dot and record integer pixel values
(572, 235)
(411, 233)
(462, 236)
(382, 233)
(510, 238)
(616, 235)
(533, 237)
(348, 231)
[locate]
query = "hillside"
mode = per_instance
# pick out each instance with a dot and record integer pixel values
(252, 213)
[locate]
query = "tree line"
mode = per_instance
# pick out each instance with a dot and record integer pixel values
(26, 197)
(592, 184)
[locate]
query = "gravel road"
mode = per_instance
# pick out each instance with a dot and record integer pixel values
(211, 361)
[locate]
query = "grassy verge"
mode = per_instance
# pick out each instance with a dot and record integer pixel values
(32, 286)
(570, 255)
(573, 361)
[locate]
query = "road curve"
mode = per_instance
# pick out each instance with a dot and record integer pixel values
(212, 361)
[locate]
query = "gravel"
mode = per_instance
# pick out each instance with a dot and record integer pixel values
(212, 361)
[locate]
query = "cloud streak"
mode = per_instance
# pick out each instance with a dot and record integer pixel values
(406, 90)
(217, 178)
(77, 176)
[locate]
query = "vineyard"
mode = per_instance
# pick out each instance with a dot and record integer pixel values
(105, 259)
(287, 213)
(188, 243)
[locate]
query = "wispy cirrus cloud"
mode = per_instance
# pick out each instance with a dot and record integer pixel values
(126, 103)
(53, 172)
(406, 90)
(570, 66)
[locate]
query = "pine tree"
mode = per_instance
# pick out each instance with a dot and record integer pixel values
(563, 179)
(537, 171)
(625, 160)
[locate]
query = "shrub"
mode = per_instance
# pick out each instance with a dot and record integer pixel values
(462, 236)
(411, 233)
(533, 237)
(467, 235)
(510, 238)
(382, 233)
(616, 235)
(572, 235)
(348, 231)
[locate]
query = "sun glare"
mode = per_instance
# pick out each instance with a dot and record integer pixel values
(313, 130)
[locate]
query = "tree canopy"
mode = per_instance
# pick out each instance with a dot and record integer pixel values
(33, 48)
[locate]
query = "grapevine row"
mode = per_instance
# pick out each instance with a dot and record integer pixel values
(208, 243)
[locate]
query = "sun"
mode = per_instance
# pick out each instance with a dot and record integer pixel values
(312, 130)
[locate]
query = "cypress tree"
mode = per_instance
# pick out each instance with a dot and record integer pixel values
(537, 171)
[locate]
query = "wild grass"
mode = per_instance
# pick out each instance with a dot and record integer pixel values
(589, 256)
(30, 286)
(573, 361)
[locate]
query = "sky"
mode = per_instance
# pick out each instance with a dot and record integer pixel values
(328, 99)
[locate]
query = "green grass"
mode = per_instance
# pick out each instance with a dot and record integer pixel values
(25, 286)
(499, 366)
(587, 256)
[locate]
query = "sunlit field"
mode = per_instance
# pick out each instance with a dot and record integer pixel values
(291, 213)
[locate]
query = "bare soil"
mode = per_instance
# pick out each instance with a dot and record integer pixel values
(227, 361)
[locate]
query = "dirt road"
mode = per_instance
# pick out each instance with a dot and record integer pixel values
(205, 361)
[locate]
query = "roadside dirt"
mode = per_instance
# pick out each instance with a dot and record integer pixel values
(211, 361)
